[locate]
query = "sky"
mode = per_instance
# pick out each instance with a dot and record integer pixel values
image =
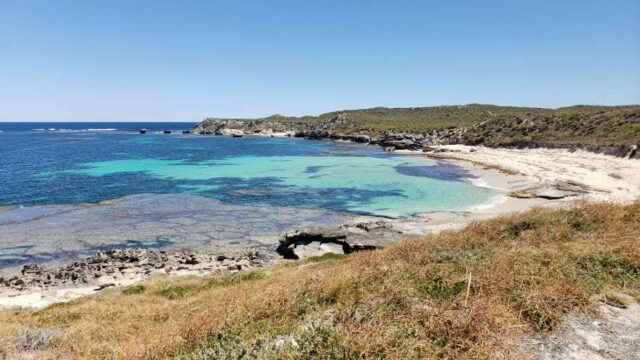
(187, 60)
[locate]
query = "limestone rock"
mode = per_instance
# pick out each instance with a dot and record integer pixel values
(119, 263)
(346, 239)
(552, 191)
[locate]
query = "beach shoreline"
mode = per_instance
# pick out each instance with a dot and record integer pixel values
(506, 170)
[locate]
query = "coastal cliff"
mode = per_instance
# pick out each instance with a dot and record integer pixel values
(613, 130)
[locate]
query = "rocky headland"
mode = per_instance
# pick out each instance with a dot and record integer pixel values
(607, 130)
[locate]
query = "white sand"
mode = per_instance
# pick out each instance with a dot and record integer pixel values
(612, 179)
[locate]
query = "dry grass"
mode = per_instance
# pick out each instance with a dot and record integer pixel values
(462, 294)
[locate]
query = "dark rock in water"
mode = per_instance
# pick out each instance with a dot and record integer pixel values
(143, 131)
(186, 131)
(342, 240)
(236, 135)
(167, 132)
(359, 138)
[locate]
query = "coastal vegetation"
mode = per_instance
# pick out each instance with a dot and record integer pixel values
(487, 124)
(470, 293)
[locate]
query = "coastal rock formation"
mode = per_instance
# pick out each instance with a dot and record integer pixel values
(552, 191)
(607, 130)
(240, 127)
(345, 239)
(105, 267)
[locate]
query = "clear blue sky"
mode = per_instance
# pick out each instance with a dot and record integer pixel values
(185, 60)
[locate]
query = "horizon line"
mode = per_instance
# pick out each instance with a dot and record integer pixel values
(306, 115)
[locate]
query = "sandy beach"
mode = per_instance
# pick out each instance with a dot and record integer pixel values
(610, 178)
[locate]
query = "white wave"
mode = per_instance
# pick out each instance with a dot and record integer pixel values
(76, 130)
(493, 202)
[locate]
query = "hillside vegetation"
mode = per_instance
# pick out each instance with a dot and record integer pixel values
(459, 294)
(489, 124)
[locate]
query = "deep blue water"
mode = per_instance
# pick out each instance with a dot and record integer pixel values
(89, 126)
(67, 163)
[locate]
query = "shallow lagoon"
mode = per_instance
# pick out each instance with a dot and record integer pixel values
(249, 191)
(75, 167)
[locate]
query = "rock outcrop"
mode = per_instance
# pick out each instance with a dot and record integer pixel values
(240, 127)
(112, 265)
(345, 239)
(536, 128)
(552, 191)
(329, 130)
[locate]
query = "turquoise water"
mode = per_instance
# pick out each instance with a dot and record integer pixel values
(88, 166)
(399, 194)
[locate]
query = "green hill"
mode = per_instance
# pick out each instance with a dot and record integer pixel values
(485, 124)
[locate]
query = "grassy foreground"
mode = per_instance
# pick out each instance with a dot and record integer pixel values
(459, 294)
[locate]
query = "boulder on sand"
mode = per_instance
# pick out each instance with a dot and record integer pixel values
(552, 191)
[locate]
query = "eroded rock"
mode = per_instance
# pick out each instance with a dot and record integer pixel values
(345, 239)
(552, 190)
(119, 263)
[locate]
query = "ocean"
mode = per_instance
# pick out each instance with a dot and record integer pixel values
(68, 190)
(70, 163)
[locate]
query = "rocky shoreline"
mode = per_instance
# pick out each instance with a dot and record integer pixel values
(122, 267)
(338, 128)
(113, 267)
(532, 181)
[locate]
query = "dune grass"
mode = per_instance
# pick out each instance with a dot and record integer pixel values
(459, 294)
